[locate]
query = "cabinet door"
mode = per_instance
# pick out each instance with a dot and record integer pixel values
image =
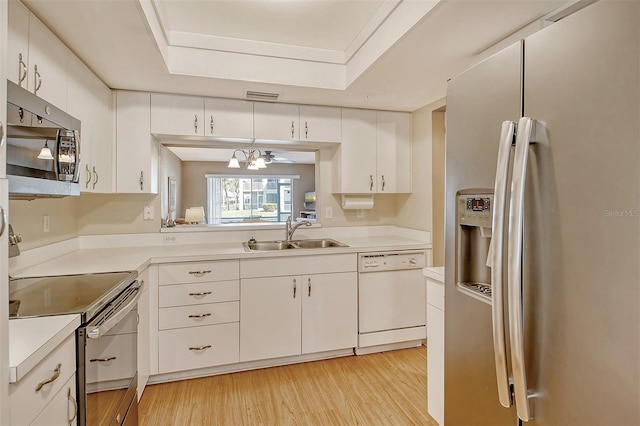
(329, 312)
(275, 121)
(228, 118)
(177, 115)
(18, 44)
(357, 152)
(137, 152)
(320, 124)
(270, 317)
(48, 59)
(63, 407)
(393, 150)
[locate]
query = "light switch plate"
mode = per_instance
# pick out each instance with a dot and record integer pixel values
(328, 212)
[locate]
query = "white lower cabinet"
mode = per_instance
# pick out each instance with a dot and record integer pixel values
(63, 407)
(435, 344)
(144, 332)
(293, 315)
(38, 390)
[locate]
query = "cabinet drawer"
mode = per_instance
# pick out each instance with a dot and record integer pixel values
(122, 366)
(198, 293)
(63, 407)
(198, 347)
(23, 397)
(198, 315)
(195, 272)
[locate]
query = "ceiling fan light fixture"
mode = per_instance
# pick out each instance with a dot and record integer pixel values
(233, 162)
(262, 96)
(260, 163)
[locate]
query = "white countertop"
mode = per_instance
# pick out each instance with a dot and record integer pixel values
(137, 258)
(32, 339)
(435, 273)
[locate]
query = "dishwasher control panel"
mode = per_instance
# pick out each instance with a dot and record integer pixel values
(390, 261)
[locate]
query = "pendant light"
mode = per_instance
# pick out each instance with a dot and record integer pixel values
(45, 152)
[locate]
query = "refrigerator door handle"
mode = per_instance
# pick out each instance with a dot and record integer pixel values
(525, 135)
(497, 262)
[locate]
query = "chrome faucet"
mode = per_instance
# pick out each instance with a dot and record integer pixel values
(292, 229)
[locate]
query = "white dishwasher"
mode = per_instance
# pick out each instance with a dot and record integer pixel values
(391, 300)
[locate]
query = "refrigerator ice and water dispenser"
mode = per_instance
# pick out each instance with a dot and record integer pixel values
(473, 224)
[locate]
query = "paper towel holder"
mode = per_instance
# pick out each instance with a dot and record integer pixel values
(357, 201)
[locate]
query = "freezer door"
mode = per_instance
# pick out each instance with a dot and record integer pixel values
(478, 102)
(582, 224)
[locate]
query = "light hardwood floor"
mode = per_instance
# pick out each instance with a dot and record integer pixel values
(387, 388)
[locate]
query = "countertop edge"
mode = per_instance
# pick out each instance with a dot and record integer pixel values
(21, 362)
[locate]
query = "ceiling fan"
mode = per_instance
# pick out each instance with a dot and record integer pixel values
(269, 158)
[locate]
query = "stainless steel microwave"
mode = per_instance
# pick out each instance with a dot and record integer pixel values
(43, 147)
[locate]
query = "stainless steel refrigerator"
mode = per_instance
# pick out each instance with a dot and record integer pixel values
(542, 229)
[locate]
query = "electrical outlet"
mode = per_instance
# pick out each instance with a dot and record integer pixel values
(149, 212)
(359, 213)
(46, 223)
(328, 212)
(169, 239)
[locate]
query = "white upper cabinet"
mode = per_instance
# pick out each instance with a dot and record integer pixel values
(18, 44)
(374, 156)
(228, 118)
(320, 123)
(177, 115)
(355, 160)
(37, 58)
(137, 151)
(89, 100)
(275, 121)
(393, 152)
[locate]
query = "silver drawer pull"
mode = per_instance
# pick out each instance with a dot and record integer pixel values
(199, 273)
(200, 315)
(56, 374)
(202, 293)
(111, 358)
(199, 348)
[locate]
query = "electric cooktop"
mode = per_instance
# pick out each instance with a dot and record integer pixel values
(84, 294)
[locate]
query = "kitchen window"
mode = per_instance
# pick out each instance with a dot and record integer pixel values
(249, 199)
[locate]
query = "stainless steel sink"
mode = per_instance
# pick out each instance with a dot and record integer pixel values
(267, 245)
(324, 243)
(295, 244)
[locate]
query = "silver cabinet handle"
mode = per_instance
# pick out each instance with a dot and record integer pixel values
(37, 79)
(208, 314)
(370, 182)
(22, 70)
(293, 129)
(306, 130)
(1, 134)
(199, 348)
(111, 358)
(309, 286)
(75, 406)
(56, 374)
(212, 127)
(86, 185)
(526, 127)
(295, 288)
(141, 181)
(199, 273)
(3, 221)
(383, 182)
(195, 124)
(202, 293)
(95, 177)
(497, 259)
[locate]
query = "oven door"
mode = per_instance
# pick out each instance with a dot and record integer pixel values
(107, 367)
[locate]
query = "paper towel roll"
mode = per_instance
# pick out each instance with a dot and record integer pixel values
(359, 202)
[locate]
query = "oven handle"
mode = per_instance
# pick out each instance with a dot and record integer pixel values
(95, 332)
